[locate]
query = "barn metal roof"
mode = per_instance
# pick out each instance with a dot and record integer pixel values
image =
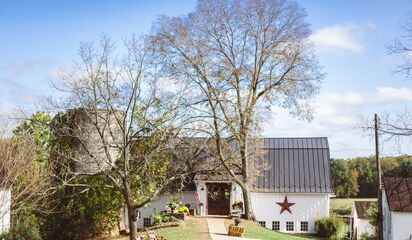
(300, 165)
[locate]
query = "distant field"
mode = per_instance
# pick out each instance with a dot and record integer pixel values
(346, 203)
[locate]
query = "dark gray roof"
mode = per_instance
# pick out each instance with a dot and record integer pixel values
(398, 192)
(362, 208)
(300, 165)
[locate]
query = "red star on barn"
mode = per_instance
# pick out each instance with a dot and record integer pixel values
(285, 205)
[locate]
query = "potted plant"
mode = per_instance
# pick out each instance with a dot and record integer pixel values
(238, 205)
(173, 204)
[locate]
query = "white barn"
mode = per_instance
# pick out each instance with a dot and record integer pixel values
(397, 208)
(289, 194)
(359, 222)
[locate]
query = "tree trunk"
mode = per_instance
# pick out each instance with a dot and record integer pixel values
(131, 215)
(247, 203)
(131, 209)
(245, 177)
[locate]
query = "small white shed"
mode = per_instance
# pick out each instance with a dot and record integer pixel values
(397, 208)
(359, 222)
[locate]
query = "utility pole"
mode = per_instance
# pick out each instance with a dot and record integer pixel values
(379, 216)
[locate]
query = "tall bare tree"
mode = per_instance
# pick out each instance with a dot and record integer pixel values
(399, 126)
(122, 122)
(403, 46)
(28, 180)
(239, 56)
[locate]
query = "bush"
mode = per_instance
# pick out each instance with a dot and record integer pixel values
(27, 229)
(76, 213)
(330, 227)
(342, 211)
(366, 236)
(183, 209)
(172, 204)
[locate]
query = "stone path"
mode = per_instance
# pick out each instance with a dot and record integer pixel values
(218, 231)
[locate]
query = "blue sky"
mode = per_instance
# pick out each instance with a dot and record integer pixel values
(37, 38)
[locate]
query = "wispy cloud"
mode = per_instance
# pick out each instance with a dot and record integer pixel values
(21, 68)
(339, 38)
(338, 116)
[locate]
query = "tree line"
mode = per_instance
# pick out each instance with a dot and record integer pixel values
(356, 177)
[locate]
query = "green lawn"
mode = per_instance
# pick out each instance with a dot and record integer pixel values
(192, 228)
(254, 230)
(196, 228)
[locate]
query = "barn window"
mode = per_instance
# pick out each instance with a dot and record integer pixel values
(147, 222)
(275, 225)
(304, 226)
(289, 226)
(262, 223)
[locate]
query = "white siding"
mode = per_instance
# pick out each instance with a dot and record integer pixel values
(387, 218)
(401, 225)
(201, 191)
(396, 225)
(308, 207)
(5, 199)
(363, 227)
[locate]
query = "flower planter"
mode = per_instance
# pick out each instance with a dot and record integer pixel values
(236, 231)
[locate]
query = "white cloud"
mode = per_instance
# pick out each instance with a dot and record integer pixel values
(338, 116)
(339, 38)
(21, 68)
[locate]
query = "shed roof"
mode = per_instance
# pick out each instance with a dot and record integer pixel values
(398, 192)
(362, 208)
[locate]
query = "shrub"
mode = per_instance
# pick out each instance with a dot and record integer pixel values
(330, 227)
(367, 236)
(342, 211)
(27, 229)
(77, 213)
(183, 209)
(172, 204)
(157, 217)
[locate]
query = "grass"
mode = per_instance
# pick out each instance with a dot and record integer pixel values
(254, 230)
(192, 228)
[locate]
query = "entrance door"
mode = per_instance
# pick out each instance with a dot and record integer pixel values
(218, 198)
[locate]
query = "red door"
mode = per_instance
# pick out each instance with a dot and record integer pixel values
(218, 198)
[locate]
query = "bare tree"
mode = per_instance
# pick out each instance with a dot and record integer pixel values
(29, 181)
(122, 123)
(239, 57)
(403, 47)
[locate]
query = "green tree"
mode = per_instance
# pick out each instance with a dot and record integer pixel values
(37, 128)
(86, 208)
(344, 179)
(367, 176)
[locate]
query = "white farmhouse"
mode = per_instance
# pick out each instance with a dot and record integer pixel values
(397, 208)
(359, 222)
(291, 191)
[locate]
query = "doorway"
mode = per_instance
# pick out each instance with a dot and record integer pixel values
(218, 198)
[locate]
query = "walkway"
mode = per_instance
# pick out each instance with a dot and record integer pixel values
(218, 231)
